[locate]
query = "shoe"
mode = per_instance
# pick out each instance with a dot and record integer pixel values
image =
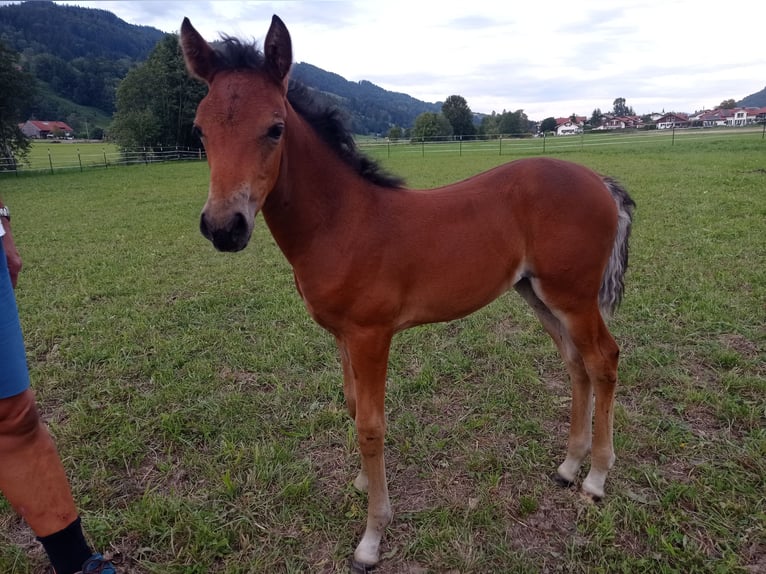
(97, 564)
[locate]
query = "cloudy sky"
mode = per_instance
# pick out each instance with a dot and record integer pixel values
(547, 57)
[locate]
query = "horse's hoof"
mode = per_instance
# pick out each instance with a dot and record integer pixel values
(359, 567)
(589, 497)
(561, 481)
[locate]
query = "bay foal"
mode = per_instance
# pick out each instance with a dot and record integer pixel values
(372, 258)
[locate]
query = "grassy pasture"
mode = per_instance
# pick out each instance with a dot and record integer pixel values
(200, 413)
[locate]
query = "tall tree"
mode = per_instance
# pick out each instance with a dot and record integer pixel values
(17, 87)
(459, 115)
(727, 105)
(621, 109)
(548, 124)
(431, 125)
(595, 118)
(156, 101)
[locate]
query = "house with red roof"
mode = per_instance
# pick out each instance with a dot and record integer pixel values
(612, 122)
(673, 120)
(38, 129)
(568, 127)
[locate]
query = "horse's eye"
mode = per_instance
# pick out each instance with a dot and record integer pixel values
(197, 132)
(275, 131)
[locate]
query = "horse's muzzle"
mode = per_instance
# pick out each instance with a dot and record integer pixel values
(233, 236)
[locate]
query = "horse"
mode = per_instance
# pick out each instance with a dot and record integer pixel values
(371, 257)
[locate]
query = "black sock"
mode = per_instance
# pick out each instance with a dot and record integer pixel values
(67, 549)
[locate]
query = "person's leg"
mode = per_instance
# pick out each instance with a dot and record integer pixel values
(32, 476)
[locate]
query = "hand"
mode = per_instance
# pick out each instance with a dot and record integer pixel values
(11, 253)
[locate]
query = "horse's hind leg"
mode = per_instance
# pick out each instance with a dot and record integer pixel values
(579, 443)
(600, 354)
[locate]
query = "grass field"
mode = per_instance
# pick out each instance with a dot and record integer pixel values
(200, 413)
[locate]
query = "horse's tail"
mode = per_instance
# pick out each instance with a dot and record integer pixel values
(613, 284)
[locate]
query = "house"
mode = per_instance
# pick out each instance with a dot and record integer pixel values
(568, 127)
(673, 120)
(734, 117)
(611, 122)
(45, 129)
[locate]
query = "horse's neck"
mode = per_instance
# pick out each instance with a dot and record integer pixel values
(315, 193)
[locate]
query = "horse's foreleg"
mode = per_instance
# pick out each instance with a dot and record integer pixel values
(368, 359)
(361, 481)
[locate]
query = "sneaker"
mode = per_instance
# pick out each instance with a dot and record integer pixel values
(97, 564)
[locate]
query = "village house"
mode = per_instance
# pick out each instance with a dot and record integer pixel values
(570, 126)
(37, 129)
(612, 122)
(735, 117)
(673, 120)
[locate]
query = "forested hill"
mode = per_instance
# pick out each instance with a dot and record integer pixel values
(371, 108)
(80, 55)
(77, 54)
(756, 100)
(72, 32)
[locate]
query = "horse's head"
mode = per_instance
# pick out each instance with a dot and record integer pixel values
(240, 122)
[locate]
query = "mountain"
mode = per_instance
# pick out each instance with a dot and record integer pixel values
(371, 109)
(756, 100)
(80, 55)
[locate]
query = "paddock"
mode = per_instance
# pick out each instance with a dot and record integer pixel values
(202, 420)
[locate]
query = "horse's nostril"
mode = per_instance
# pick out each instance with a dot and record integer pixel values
(232, 235)
(203, 226)
(239, 225)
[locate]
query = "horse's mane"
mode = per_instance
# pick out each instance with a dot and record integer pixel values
(327, 119)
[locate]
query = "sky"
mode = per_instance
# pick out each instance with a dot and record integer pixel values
(546, 57)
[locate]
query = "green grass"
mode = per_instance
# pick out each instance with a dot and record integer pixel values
(200, 413)
(58, 155)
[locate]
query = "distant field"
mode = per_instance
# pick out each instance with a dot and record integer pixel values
(200, 411)
(67, 154)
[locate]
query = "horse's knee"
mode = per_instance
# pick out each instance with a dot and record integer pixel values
(19, 418)
(370, 438)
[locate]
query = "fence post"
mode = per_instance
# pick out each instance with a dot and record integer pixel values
(544, 136)
(106, 165)
(501, 145)
(79, 159)
(50, 159)
(673, 138)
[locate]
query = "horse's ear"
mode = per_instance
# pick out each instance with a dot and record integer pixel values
(278, 50)
(199, 56)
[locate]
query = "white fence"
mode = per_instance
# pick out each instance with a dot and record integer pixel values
(69, 157)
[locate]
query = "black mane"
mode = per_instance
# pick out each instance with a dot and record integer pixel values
(327, 119)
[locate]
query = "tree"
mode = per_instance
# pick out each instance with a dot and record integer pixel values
(513, 123)
(394, 133)
(548, 124)
(431, 125)
(620, 109)
(727, 105)
(459, 115)
(17, 88)
(156, 101)
(595, 118)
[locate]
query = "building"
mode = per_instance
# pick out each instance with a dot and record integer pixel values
(37, 129)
